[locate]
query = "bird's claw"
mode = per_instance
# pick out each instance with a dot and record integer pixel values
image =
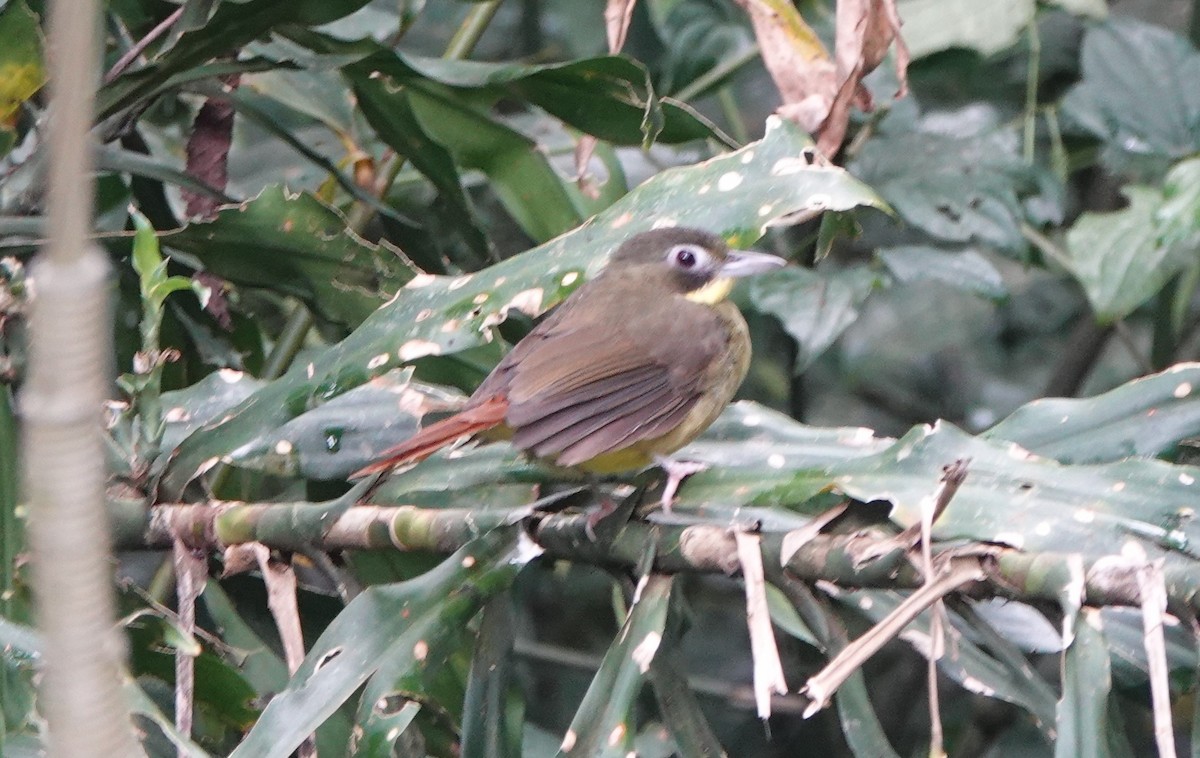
(676, 472)
(606, 509)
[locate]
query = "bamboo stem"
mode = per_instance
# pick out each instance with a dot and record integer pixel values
(70, 349)
(847, 560)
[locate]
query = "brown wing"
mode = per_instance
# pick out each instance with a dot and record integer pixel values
(607, 371)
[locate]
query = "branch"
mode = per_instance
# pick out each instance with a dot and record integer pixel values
(847, 560)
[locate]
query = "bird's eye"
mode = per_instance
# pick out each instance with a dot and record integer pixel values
(686, 256)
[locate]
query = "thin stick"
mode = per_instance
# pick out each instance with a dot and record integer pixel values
(768, 670)
(821, 687)
(1154, 608)
(141, 45)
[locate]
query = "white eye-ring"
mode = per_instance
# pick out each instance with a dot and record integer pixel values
(687, 257)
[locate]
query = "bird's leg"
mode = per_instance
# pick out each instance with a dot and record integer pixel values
(676, 472)
(607, 507)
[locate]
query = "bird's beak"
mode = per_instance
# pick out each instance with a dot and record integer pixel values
(739, 263)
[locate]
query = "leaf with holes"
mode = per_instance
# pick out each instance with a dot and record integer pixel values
(962, 187)
(603, 725)
(295, 244)
(349, 431)
(404, 631)
(1146, 417)
(737, 195)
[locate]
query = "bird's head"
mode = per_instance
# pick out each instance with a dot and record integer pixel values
(690, 262)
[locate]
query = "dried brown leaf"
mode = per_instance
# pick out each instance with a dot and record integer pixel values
(208, 151)
(801, 67)
(191, 570)
(617, 15)
(818, 90)
(583, 178)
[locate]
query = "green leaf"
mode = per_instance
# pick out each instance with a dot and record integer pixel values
(519, 173)
(261, 667)
(295, 244)
(1178, 218)
(860, 722)
(753, 450)
(442, 315)
(1015, 498)
(1145, 417)
(220, 690)
(677, 705)
(1125, 636)
(1137, 94)
(1090, 8)
(147, 260)
(931, 26)
(111, 158)
(141, 704)
(168, 285)
(13, 598)
(319, 94)
(966, 269)
(24, 644)
(348, 432)
(956, 182)
(403, 629)
(1083, 712)
(1117, 257)
(528, 187)
(603, 725)
(388, 108)
(784, 616)
(814, 307)
(188, 409)
(232, 26)
(610, 97)
(492, 720)
(698, 37)
(22, 70)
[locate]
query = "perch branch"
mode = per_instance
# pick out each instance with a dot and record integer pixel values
(847, 560)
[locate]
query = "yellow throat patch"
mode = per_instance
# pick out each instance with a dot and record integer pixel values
(713, 292)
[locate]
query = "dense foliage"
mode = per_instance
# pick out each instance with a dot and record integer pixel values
(328, 218)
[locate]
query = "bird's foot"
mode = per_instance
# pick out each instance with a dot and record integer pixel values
(676, 472)
(606, 509)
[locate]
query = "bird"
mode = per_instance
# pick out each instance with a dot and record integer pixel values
(632, 366)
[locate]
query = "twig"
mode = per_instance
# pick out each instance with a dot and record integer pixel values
(1046, 245)
(1154, 608)
(768, 670)
(958, 573)
(953, 476)
(141, 45)
(280, 580)
(191, 570)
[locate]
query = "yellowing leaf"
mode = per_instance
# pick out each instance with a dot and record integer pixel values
(22, 72)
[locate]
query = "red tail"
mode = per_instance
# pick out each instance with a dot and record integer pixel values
(434, 437)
